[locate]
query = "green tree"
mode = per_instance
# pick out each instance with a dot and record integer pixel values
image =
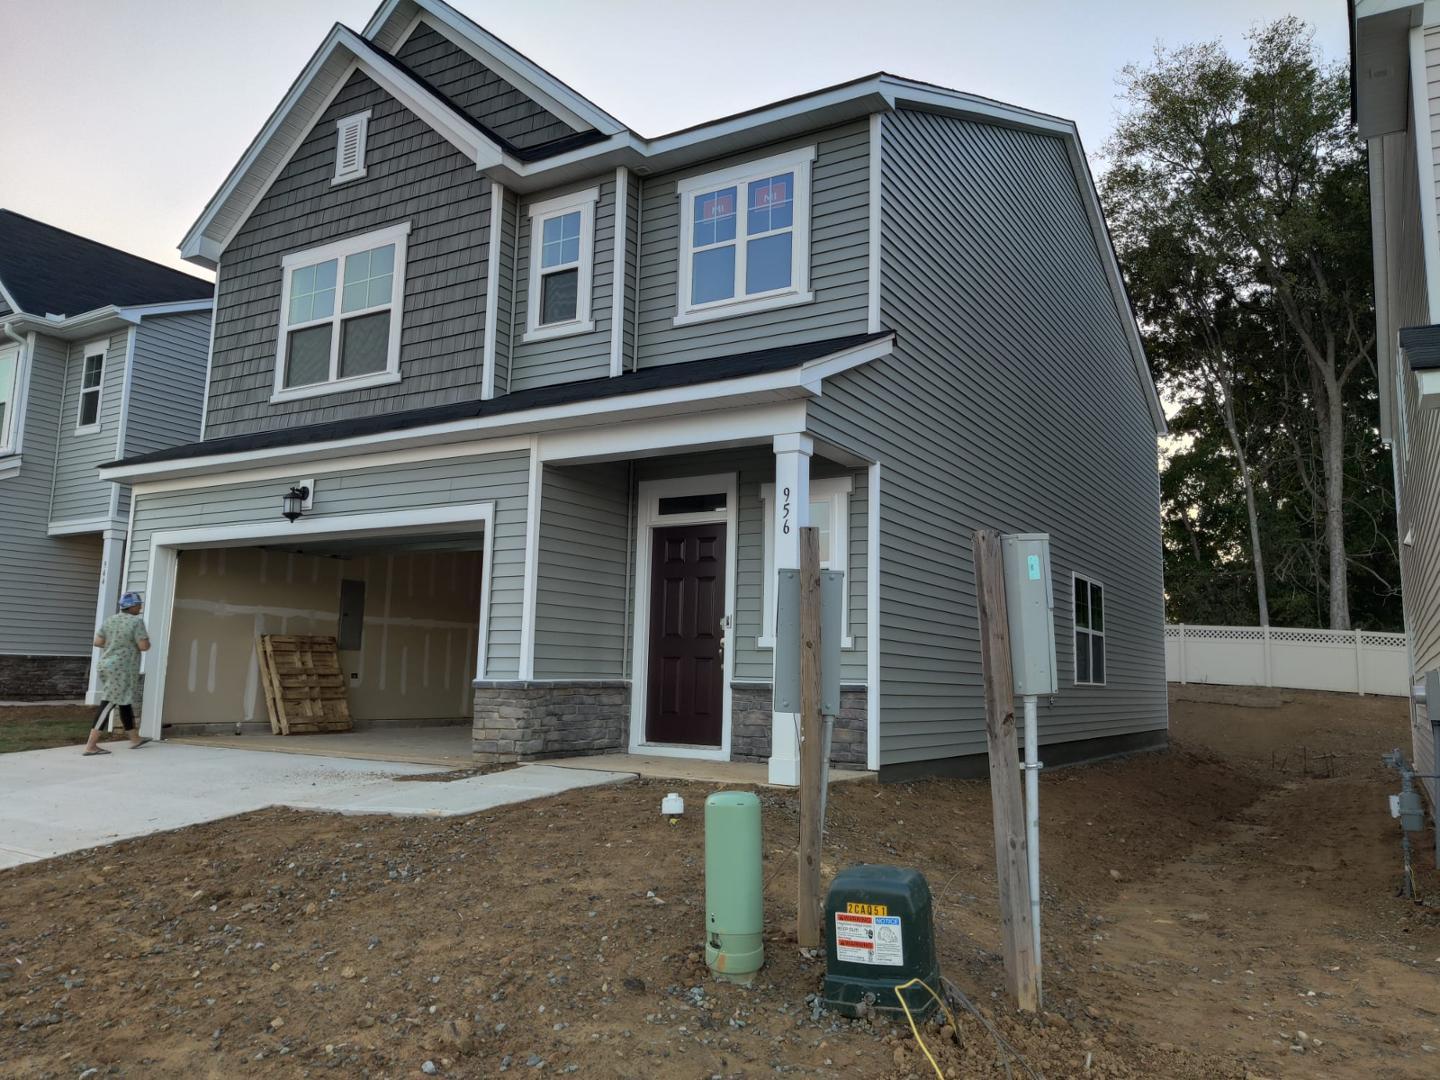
(1237, 191)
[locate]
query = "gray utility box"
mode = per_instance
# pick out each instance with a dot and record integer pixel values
(1030, 605)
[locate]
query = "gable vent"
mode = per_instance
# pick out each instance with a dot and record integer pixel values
(350, 147)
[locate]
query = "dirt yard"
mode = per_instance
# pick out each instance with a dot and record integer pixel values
(1225, 909)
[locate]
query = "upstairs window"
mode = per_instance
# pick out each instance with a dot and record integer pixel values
(562, 255)
(1089, 632)
(350, 147)
(92, 375)
(340, 316)
(9, 396)
(745, 238)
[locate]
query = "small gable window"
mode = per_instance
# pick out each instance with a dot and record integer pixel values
(340, 316)
(9, 393)
(745, 238)
(92, 375)
(350, 147)
(562, 251)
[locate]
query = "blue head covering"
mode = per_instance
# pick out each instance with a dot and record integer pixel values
(131, 599)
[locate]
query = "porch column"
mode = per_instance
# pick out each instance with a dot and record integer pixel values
(112, 570)
(792, 511)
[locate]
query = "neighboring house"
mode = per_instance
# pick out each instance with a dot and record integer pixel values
(557, 398)
(1395, 67)
(102, 354)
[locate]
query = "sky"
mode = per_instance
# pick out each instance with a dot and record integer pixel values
(123, 117)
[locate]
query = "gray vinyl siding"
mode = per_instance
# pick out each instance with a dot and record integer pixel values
(501, 478)
(580, 606)
(167, 388)
(479, 92)
(632, 267)
(413, 175)
(755, 467)
(1011, 401)
(575, 356)
(505, 286)
(1416, 449)
(80, 494)
(51, 581)
(839, 238)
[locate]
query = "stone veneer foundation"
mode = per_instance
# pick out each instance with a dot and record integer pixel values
(750, 712)
(44, 678)
(524, 720)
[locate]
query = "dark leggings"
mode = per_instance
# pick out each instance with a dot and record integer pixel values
(127, 716)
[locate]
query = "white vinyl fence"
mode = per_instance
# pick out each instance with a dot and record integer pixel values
(1346, 661)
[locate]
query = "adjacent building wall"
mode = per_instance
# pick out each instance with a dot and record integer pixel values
(502, 478)
(418, 644)
(80, 494)
(1011, 401)
(51, 580)
(167, 389)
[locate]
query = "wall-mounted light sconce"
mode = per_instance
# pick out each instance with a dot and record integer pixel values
(295, 502)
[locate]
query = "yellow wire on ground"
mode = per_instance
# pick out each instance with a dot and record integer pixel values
(915, 1030)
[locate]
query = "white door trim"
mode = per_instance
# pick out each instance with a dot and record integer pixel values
(648, 495)
(166, 544)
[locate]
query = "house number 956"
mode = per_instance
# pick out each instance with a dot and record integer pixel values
(785, 513)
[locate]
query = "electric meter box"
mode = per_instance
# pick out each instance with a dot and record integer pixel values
(1030, 605)
(879, 933)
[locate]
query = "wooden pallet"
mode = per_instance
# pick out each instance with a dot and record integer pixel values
(304, 686)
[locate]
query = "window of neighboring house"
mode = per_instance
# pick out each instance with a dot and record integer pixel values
(745, 238)
(9, 397)
(340, 316)
(830, 514)
(562, 254)
(350, 147)
(1089, 632)
(92, 374)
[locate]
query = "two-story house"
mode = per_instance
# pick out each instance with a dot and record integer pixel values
(1395, 76)
(547, 402)
(102, 355)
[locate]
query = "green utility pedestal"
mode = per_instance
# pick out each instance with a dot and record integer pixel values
(879, 933)
(734, 888)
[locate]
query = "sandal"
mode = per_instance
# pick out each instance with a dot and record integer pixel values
(139, 743)
(92, 753)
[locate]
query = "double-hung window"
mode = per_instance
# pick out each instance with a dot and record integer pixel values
(562, 256)
(340, 311)
(1089, 632)
(9, 397)
(92, 376)
(745, 238)
(830, 514)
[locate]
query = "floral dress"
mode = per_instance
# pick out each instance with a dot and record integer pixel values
(120, 658)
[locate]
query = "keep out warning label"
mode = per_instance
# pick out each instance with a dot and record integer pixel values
(868, 939)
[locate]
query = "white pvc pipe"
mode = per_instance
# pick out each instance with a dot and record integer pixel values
(1032, 816)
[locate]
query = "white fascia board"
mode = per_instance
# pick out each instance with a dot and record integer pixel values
(715, 429)
(136, 312)
(513, 66)
(442, 117)
(797, 382)
(88, 324)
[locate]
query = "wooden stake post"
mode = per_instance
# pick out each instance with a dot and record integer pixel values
(1022, 975)
(808, 921)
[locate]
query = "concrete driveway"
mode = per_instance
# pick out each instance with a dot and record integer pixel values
(55, 801)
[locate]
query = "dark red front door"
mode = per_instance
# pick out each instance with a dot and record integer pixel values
(685, 697)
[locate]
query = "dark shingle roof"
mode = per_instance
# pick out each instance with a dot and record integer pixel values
(690, 373)
(1422, 347)
(53, 272)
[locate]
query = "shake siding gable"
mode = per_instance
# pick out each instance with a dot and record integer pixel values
(412, 174)
(51, 580)
(477, 91)
(1011, 401)
(839, 237)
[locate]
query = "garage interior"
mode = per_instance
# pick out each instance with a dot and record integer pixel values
(405, 614)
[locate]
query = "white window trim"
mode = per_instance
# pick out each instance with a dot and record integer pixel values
(362, 121)
(1075, 576)
(95, 348)
(584, 202)
(798, 161)
(10, 442)
(837, 490)
(395, 234)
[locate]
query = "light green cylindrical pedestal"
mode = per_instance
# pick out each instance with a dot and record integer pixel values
(734, 896)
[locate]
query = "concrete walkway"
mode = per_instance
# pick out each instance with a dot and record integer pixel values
(440, 745)
(56, 801)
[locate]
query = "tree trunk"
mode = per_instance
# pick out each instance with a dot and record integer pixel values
(1227, 414)
(1334, 456)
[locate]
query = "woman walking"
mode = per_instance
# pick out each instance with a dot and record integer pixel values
(123, 638)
